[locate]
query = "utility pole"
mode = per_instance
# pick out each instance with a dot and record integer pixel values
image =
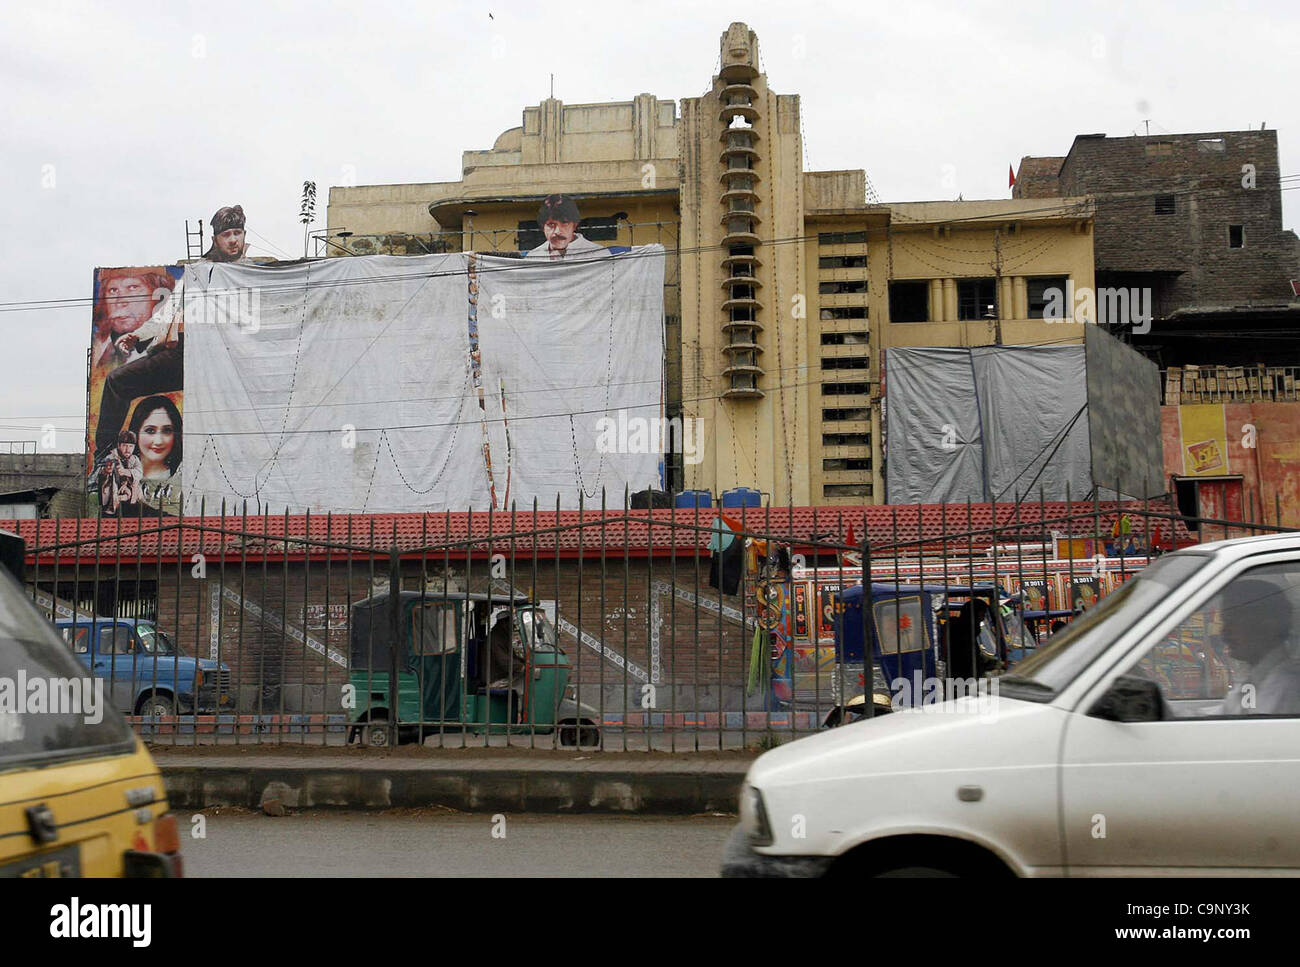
(997, 287)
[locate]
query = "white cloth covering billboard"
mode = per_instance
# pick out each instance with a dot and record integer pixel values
(382, 384)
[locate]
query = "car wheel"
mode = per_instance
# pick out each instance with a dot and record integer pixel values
(378, 733)
(156, 705)
(574, 734)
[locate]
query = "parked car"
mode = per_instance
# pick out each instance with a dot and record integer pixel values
(1158, 734)
(145, 671)
(82, 795)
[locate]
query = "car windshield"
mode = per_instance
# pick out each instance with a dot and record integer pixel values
(50, 706)
(155, 642)
(1042, 675)
(538, 630)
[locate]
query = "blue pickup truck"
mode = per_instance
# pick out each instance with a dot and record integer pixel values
(145, 672)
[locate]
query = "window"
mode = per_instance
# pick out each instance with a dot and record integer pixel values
(844, 312)
(842, 238)
(856, 413)
(1236, 236)
(845, 389)
(845, 362)
(115, 640)
(852, 463)
(81, 643)
(842, 262)
(844, 339)
(909, 301)
(1047, 298)
(976, 299)
(846, 490)
(1164, 204)
(839, 288)
(1236, 654)
(433, 629)
(846, 439)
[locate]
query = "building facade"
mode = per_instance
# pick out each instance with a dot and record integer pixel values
(783, 286)
(1197, 220)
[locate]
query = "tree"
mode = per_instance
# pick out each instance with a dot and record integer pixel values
(307, 213)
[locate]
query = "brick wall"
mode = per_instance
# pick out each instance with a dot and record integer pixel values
(1204, 173)
(649, 625)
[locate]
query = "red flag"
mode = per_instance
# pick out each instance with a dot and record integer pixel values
(1011, 176)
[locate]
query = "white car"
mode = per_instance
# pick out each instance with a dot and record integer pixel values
(1159, 734)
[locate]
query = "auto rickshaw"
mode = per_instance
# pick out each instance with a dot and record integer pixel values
(919, 631)
(469, 662)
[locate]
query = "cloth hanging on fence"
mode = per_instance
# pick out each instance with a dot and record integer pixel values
(727, 562)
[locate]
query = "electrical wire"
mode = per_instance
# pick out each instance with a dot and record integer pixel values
(1088, 204)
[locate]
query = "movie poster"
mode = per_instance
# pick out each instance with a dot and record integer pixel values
(1036, 594)
(134, 431)
(1085, 590)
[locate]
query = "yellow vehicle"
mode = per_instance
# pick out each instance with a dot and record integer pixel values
(79, 793)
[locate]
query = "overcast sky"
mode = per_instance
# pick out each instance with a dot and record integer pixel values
(118, 126)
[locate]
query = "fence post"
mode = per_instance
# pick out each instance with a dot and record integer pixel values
(868, 630)
(394, 635)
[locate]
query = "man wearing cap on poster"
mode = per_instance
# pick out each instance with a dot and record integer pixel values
(558, 219)
(228, 236)
(120, 476)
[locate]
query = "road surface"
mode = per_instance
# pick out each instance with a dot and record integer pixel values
(436, 843)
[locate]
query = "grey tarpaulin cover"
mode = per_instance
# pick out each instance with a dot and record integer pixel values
(388, 383)
(982, 423)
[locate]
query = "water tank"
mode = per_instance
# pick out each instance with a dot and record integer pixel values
(694, 498)
(742, 497)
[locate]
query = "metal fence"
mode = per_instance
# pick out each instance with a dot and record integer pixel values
(617, 629)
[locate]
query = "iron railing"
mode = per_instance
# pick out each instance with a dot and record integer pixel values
(611, 628)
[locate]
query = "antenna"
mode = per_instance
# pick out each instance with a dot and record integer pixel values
(552, 85)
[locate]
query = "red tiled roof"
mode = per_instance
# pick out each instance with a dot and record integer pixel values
(675, 531)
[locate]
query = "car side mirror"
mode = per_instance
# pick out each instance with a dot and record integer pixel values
(1130, 698)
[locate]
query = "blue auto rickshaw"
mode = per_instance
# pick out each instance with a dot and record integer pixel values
(910, 654)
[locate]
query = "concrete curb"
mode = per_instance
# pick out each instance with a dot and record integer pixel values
(482, 787)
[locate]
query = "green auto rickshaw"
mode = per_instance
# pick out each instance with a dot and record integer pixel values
(466, 661)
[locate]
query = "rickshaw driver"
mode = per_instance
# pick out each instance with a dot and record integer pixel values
(1259, 628)
(507, 664)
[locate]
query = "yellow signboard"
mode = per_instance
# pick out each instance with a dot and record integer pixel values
(1203, 434)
